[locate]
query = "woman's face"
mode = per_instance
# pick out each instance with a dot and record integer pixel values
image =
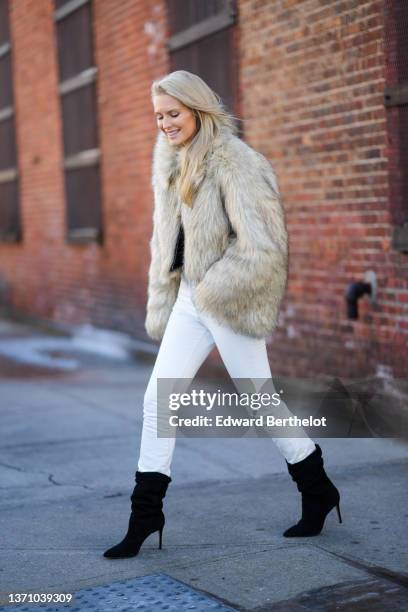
(177, 121)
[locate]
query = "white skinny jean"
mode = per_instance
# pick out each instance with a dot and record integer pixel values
(189, 337)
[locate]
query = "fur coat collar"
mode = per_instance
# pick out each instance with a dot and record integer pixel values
(235, 238)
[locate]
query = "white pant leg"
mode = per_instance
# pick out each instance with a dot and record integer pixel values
(246, 357)
(185, 345)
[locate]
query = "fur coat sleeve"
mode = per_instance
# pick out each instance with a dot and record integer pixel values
(244, 288)
(162, 290)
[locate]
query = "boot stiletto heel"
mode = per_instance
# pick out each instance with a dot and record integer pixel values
(338, 512)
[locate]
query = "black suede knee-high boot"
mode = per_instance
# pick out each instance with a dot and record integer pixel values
(319, 495)
(146, 516)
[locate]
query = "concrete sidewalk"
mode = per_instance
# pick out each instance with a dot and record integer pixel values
(68, 452)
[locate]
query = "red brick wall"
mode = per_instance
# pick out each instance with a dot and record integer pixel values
(312, 78)
(48, 277)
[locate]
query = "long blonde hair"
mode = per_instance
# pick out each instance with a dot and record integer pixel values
(211, 116)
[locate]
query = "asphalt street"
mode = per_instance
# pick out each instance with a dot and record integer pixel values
(68, 452)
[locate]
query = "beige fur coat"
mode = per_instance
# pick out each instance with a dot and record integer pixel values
(236, 246)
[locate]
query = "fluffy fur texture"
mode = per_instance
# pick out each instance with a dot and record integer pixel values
(236, 245)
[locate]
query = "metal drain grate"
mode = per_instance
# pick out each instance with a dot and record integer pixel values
(157, 592)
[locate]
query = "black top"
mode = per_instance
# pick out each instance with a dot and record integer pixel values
(179, 251)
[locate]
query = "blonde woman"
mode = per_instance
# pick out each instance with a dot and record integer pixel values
(218, 272)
